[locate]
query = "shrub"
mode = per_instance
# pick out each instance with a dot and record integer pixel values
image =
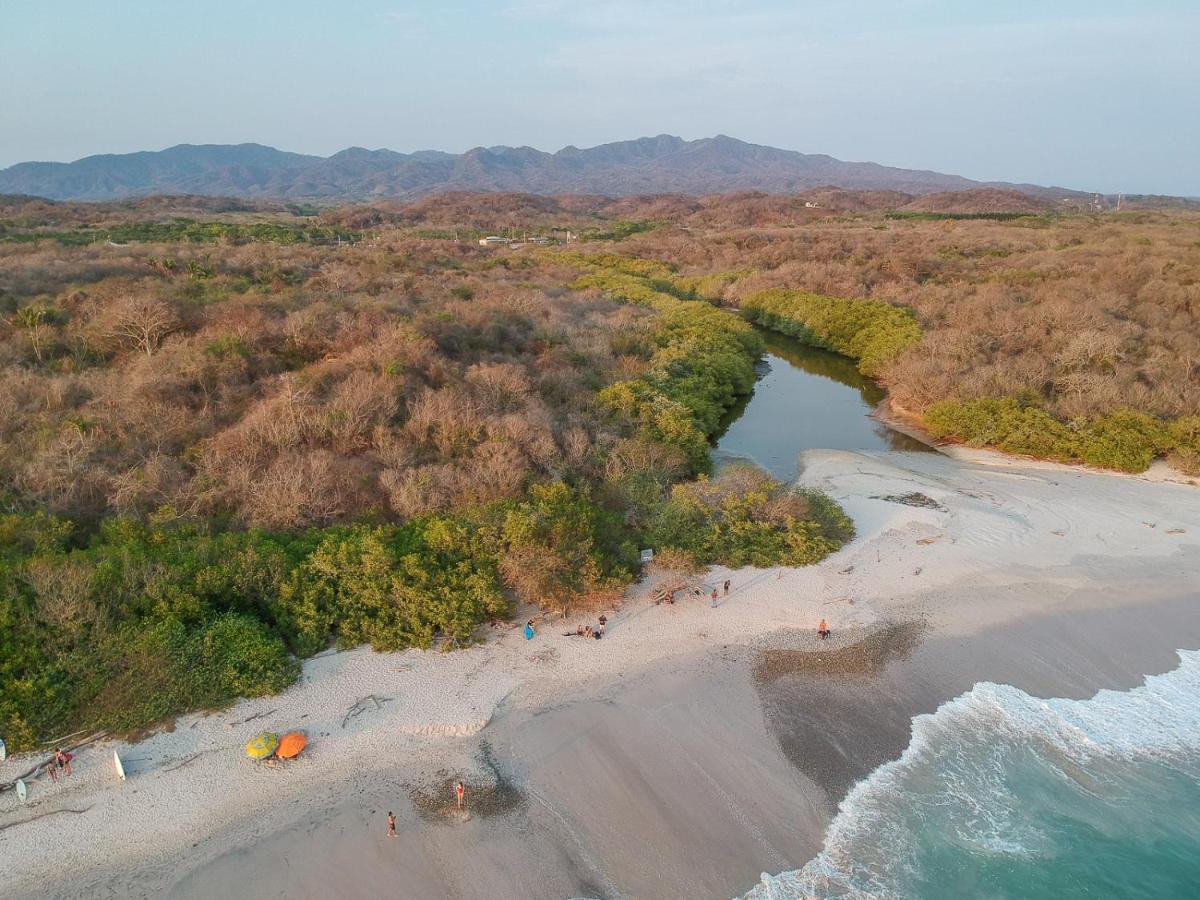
(1003, 423)
(1124, 440)
(146, 673)
(559, 546)
(703, 357)
(743, 517)
(870, 331)
(1184, 440)
(391, 587)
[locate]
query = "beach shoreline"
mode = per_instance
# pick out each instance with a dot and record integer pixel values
(690, 750)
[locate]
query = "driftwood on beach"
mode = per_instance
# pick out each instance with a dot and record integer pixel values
(53, 812)
(253, 717)
(360, 706)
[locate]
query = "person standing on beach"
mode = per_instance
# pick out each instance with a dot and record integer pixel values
(64, 761)
(51, 769)
(714, 598)
(391, 824)
(726, 587)
(529, 630)
(459, 790)
(823, 630)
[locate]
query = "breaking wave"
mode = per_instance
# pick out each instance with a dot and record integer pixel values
(1002, 794)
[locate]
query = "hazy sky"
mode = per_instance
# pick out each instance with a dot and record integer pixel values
(1097, 95)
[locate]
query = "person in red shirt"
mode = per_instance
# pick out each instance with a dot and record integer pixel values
(459, 790)
(823, 630)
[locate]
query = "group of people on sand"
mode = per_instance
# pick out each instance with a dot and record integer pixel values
(714, 596)
(59, 765)
(587, 631)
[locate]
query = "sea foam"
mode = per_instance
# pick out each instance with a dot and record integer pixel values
(992, 776)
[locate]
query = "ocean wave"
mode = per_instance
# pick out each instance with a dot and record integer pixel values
(994, 774)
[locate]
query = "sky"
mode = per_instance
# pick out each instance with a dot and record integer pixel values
(1098, 95)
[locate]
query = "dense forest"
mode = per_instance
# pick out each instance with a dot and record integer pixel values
(231, 434)
(225, 444)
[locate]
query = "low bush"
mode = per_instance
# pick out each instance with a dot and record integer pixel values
(1124, 440)
(870, 331)
(1184, 440)
(147, 672)
(743, 517)
(559, 547)
(391, 587)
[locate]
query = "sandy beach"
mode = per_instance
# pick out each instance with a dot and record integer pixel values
(691, 750)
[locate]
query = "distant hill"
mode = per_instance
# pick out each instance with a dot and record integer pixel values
(657, 165)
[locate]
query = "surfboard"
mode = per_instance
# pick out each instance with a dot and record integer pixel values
(22, 793)
(117, 765)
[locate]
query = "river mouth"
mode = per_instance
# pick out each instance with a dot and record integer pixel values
(805, 398)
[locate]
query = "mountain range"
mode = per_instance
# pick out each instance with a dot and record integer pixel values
(662, 164)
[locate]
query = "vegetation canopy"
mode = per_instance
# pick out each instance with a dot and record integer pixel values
(220, 457)
(869, 331)
(233, 434)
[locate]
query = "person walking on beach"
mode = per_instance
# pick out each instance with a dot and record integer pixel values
(823, 630)
(603, 622)
(459, 790)
(726, 587)
(529, 630)
(51, 769)
(64, 761)
(391, 824)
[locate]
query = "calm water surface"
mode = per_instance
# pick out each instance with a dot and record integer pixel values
(805, 399)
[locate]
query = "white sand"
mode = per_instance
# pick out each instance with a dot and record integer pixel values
(998, 524)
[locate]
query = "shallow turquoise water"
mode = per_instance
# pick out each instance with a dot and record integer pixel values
(805, 398)
(1004, 795)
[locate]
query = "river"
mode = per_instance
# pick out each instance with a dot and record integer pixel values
(805, 398)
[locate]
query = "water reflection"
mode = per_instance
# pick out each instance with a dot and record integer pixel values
(805, 398)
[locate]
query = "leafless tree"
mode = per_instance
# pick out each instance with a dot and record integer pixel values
(140, 323)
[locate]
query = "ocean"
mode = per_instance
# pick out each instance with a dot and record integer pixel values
(1004, 795)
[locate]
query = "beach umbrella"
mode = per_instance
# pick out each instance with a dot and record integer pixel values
(291, 744)
(262, 745)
